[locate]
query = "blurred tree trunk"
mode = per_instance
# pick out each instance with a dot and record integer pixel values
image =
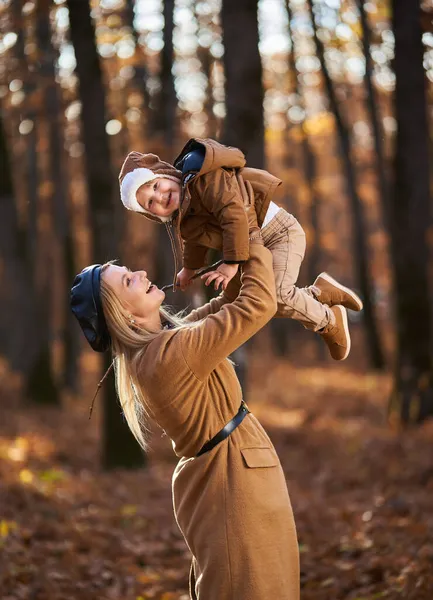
(243, 124)
(310, 172)
(411, 222)
(36, 364)
(17, 300)
(360, 249)
(206, 22)
(41, 385)
(141, 74)
(310, 163)
(61, 254)
(164, 117)
(207, 61)
(380, 162)
(119, 446)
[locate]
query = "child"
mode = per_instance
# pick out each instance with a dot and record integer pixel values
(204, 196)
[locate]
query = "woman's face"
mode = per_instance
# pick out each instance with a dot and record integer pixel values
(136, 292)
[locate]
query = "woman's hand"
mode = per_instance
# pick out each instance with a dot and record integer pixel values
(223, 275)
(184, 278)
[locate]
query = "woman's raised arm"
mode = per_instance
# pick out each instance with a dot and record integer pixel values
(217, 335)
(215, 304)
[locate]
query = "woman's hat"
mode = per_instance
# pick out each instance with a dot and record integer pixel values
(86, 305)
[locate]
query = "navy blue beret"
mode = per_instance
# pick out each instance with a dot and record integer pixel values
(86, 305)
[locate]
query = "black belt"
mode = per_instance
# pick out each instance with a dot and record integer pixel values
(226, 431)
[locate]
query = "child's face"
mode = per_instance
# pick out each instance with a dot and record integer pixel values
(161, 197)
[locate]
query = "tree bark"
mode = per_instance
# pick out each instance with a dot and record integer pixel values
(411, 219)
(140, 70)
(17, 303)
(61, 251)
(380, 163)
(360, 250)
(166, 102)
(119, 446)
(243, 124)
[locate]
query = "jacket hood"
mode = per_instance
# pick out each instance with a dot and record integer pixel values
(216, 155)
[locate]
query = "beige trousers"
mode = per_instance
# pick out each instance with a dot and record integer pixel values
(285, 238)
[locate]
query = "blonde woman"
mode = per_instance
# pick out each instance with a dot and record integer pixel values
(229, 492)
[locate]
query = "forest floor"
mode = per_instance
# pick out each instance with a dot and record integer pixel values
(361, 493)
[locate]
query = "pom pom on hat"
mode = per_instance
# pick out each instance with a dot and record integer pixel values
(139, 169)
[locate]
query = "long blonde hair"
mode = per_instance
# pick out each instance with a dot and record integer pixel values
(128, 344)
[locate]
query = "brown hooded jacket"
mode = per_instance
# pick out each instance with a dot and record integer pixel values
(213, 199)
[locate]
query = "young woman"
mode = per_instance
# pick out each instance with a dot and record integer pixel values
(229, 492)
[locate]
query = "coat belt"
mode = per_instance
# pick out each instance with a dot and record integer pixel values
(226, 430)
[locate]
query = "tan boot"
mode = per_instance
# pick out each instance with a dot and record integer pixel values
(331, 292)
(336, 335)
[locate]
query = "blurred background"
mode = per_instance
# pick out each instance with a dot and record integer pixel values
(335, 97)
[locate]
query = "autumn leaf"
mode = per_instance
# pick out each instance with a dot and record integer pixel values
(6, 527)
(26, 476)
(52, 476)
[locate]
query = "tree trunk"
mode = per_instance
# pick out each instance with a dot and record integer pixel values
(166, 102)
(16, 300)
(61, 251)
(119, 446)
(411, 219)
(243, 124)
(207, 63)
(140, 70)
(380, 162)
(310, 172)
(360, 250)
(41, 386)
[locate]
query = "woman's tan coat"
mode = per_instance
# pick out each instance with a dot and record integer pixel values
(231, 503)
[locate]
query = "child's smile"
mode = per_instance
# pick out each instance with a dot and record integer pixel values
(161, 196)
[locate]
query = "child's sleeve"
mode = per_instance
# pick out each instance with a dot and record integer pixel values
(215, 337)
(221, 196)
(194, 255)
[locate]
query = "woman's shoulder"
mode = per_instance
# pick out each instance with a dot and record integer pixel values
(164, 352)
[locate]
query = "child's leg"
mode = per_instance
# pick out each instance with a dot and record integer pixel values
(285, 238)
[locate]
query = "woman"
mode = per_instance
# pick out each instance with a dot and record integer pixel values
(229, 492)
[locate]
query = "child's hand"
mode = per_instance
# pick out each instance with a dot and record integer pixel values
(222, 275)
(184, 278)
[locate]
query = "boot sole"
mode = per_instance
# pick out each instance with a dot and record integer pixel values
(338, 285)
(346, 331)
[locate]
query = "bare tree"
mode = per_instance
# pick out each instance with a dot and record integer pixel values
(166, 101)
(61, 253)
(360, 249)
(379, 159)
(17, 301)
(243, 124)
(120, 447)
(411, 221)
(141, 74)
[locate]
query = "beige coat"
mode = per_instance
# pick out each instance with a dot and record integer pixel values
(231, 503)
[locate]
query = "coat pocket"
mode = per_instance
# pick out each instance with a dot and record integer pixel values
(259, 457)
